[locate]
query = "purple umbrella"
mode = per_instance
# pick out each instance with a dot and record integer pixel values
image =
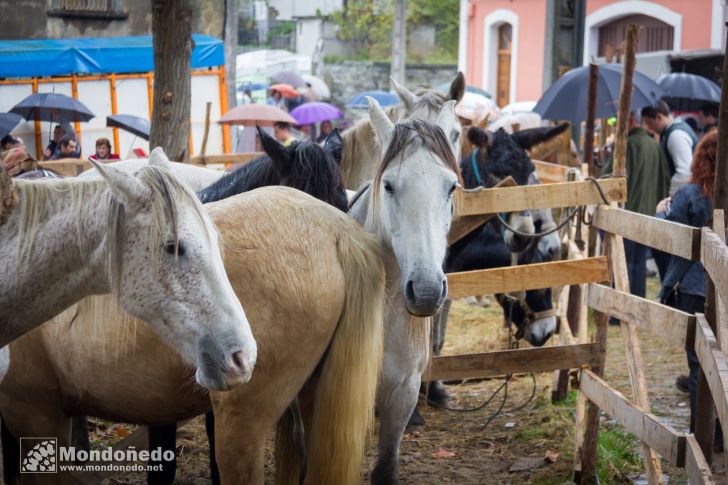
(315, 112)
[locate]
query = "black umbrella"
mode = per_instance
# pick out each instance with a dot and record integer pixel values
(289, 77)
(688, 92)
(8, 122)
(133, 124)
(52, 107)
(566, 99)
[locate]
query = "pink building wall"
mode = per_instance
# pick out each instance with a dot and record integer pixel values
(697, 26)
(696, 16)
(531, 34)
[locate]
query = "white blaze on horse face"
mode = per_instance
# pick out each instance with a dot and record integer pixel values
(186, 294)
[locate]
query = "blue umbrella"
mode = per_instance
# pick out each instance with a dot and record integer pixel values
(566, 99)
(383, 97)
(52, 107)
(252, 86)
(8, 122)
(133, 124)
(690, 86)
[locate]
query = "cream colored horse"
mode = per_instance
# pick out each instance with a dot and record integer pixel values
(144, 238)
(361, 154)
(312, 283)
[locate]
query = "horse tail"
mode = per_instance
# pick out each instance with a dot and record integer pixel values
(340, 418)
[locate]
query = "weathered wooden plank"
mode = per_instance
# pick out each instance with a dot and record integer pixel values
(661, 320)
(527, 277)
(565, 194)
(714, 255)
(493, 364)
(670, 237)
(633, 352)
(714, 367)
(68, 167)
(696, 466)
(658, 436)
(225, 158)
(463, 226)
(551, 173)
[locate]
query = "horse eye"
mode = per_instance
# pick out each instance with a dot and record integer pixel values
(388, 188)
(452, 189)
(169, 248)
(455, 136)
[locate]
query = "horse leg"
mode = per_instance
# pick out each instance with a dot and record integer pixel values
(165, 437)
(436, 392)
(79, 433)
(239, 444)
(396, 399)
(11, 455)
(406, 351)
(210, 430)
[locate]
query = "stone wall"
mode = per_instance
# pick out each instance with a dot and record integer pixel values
(349, 78)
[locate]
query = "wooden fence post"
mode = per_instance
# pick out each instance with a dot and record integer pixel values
(591, 109)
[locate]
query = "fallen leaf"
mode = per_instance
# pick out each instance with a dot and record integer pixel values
(121, 432)
(551, 455)
(443, 453)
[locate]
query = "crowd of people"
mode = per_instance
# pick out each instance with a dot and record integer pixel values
(670, 173)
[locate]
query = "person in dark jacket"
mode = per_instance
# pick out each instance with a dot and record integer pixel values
(648, 181)
(684, 285)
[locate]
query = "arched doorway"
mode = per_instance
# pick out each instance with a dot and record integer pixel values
(503, 79)
(656, 35)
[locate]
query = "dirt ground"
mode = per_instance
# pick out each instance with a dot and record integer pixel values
(535, 441)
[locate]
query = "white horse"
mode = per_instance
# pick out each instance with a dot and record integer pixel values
(408, 206)
(143, 238)
(195, 176)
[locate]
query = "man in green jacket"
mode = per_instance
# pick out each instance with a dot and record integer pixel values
(648, 182)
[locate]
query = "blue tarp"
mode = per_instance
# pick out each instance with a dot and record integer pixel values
(62, 57)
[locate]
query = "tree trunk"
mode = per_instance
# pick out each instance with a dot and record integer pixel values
(399, 41)
(231, 41)
(172, 32)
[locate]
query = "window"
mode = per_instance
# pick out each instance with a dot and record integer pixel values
(92, 9)
(655, 36)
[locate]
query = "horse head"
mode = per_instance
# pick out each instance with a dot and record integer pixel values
(165, 267)
(308, 167)
(413, 201)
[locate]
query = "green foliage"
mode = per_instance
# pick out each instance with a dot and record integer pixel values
(283, 28)
(616, 456)
(367, 26)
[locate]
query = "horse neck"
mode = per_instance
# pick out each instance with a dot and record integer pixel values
(258, 173)
(60, 261)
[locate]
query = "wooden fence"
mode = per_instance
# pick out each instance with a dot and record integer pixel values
(604, 281)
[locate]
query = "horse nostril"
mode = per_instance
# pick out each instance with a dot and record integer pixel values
(443, 293)
(409, 291)
(238, 360)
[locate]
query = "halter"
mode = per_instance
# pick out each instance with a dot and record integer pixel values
(476, 170)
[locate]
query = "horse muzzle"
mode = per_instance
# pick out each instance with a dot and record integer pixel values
(424, 298)
(222, 370)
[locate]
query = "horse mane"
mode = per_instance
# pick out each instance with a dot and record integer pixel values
(407, 132)
(313, 170)
(167, 193)
(252, 175)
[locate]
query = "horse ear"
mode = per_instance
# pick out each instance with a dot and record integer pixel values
(383, 126)
(128, 190)
(531, 137)
(407, 97)
(334, 145)
(479, 137)
(275, 151)
(457, 87)
(159, 159)
(446, 117)
(484, 122)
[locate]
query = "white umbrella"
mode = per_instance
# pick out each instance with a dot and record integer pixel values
(476, 107)
(318, 86)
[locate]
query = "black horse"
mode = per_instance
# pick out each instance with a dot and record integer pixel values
(497, 156)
